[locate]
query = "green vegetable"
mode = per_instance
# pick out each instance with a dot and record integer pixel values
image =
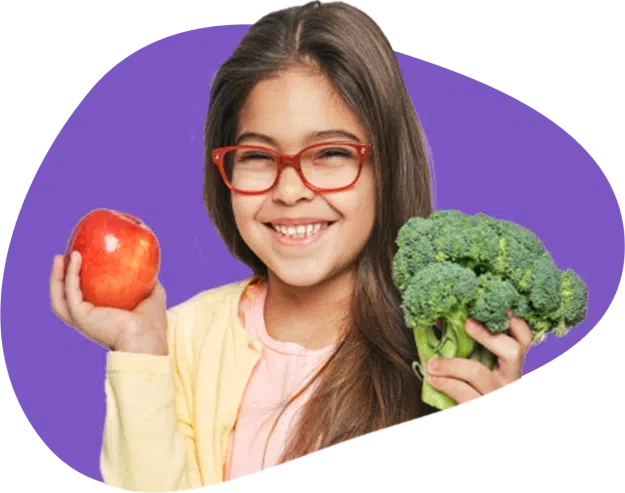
(451, 266)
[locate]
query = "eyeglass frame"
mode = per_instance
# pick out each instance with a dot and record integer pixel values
(282, 160)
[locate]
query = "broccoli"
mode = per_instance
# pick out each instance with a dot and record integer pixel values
(417, 252)
(573, 302)
(492, 302)
(453, 266)
(440, 291)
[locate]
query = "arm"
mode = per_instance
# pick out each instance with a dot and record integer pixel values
(148, 440)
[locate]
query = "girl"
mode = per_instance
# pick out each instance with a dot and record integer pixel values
(314, 159)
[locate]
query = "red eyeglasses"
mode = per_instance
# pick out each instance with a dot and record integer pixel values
(325, 167)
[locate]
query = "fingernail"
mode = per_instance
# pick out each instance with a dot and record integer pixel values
(433, 364)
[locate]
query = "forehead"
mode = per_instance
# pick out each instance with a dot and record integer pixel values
(295, 103)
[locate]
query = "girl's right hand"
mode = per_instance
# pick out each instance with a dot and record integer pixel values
(142, 330)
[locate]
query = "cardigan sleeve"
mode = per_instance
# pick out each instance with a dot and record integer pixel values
(148, 439)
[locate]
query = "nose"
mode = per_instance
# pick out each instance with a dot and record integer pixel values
(290, 188)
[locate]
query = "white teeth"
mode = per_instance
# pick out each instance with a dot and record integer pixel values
(300, 231)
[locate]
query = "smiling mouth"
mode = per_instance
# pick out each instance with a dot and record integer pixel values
(301, 231)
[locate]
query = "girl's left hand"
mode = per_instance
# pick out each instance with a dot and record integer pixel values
(465, 379)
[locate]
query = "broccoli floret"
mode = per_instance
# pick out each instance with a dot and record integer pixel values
(465, 240)
(543, 298)
(545, 283)
(481, 247)
(449, 243)
(510, 229)
(494, 298)
(518, 249)
(540, 323)
(414, 228)
(448, 216)
(446, 236)
(571, 295)
(573, 303)
(523, 235)
(414, 255)
(517, 264)
(415, 250)
(452, 266)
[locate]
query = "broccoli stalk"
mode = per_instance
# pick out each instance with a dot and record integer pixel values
(450, 267)
(440, 292)
(424, 337)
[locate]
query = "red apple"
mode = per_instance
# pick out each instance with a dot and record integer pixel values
(120, 258)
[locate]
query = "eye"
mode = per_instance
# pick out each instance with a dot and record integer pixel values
(334, 152)
(254, 155)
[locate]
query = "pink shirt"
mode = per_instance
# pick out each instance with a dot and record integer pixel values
(283, 368)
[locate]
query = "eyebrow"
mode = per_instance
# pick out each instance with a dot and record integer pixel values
(310, 137)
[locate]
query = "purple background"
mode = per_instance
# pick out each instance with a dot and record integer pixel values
(135, 144)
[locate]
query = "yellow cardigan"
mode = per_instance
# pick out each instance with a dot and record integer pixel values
(169, 418)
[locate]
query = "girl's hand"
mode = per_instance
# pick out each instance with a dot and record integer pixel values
(465, 379)
(142, 330)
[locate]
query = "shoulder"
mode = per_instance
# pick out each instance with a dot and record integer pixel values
(205, 320)
(219, 301)
(198, 329)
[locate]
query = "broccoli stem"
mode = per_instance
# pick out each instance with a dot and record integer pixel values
(455, 323)
(433, 340)
(435, 398)
(446, 346)
(424, 337)
(455, 342)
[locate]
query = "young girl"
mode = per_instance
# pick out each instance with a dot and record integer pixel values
(314, 160)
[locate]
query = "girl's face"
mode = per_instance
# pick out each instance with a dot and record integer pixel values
(286, 113)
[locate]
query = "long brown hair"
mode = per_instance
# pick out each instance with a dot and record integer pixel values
(367, 383)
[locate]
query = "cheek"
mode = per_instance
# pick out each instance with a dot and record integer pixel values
(364, 200)
(358, 207)
(244, 210)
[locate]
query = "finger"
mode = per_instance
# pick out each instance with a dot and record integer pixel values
(58, 268)
(521, 332)
(57, 290)
(472, 372)
(456, 389)
(509, 353)
(78, 308)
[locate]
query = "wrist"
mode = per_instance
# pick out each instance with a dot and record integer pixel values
(142, 344)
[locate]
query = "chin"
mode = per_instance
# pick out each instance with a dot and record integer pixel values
(306, 275)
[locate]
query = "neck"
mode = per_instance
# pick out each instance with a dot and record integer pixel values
(311, 316)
